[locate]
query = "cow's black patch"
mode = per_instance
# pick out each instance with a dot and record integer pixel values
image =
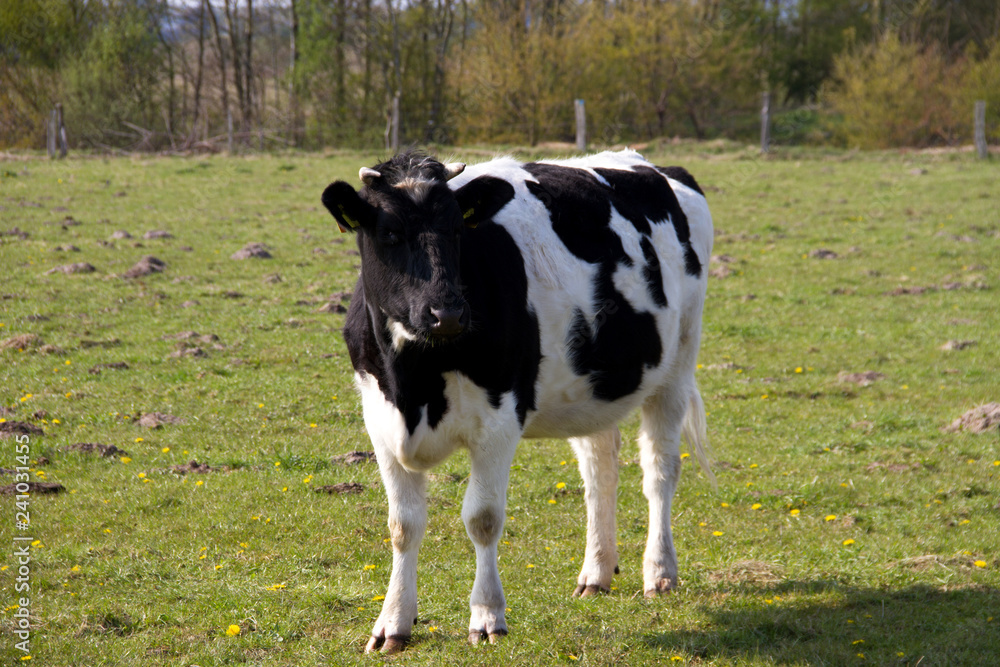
(621, 343)
(652, 273)
(681, 175)
(500, 352)
(643, 193)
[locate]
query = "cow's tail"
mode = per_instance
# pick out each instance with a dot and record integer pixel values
(695, 433)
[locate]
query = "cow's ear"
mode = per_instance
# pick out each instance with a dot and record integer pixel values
(349, 209)
(482, 198)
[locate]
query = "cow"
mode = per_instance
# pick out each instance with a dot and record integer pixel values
(510, 300)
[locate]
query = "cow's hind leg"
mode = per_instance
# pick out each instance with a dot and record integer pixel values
(406, 493)
(659, 454)
(598, 457)
(483, 512)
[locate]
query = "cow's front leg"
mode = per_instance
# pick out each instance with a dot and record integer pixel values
(406, 493)
(483, 512)
(598, 457)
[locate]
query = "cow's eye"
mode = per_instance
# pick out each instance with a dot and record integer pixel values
(390, 237)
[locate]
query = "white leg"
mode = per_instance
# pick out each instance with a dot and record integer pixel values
(598, 457)
(659, 455)
(483, 512)
(406, 492)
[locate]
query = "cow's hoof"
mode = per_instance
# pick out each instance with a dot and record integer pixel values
(387, 645)
(477, 636)
(589, 590)
(661, 586)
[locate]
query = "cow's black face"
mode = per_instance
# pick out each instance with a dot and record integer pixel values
(409, 227)
(410, 265)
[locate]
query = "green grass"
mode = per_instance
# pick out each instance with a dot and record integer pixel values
(140, 565)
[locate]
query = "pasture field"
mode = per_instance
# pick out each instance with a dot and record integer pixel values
(848, 528)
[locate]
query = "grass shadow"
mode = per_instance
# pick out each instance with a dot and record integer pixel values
(825, 623)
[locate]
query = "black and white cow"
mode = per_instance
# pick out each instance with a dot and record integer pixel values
(509, 300)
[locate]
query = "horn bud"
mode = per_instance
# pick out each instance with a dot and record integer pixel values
(368, 175)
(453, 169)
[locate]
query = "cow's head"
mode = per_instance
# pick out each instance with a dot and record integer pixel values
(410, 226)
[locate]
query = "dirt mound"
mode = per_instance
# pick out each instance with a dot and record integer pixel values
(19, 428)
(823, 253)
(22, 342)
(952, 345)
(121, 234)
(145, 267)
(192, 466)
(191, 336)
(862, 379)
(352, 458)
(342, 488)
(75, 267)
(977, 420)
(33, 487)
(107, 451)
(252, 251)
(157, 234)
(158, 419)
(114, 366)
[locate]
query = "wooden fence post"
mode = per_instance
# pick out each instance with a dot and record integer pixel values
(395, 123)
(765, 123)
(61, 139)
(50, 135)
(980, 129)
(581, 126)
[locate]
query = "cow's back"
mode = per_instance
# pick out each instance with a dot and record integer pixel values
(615, 252)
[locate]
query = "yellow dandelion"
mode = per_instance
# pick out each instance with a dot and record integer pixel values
(200, 482)
(138, 439)
(702, 524)
(56, 421)
(378, 598)
(552, 501)
(857, 641)
(433, 628)
(561, 485)
(753, 465)
(284, 488)
(530, 565)
(755, 506)
(369, 567)
(202, 557)
(980, 563)
(165, 450)
(218, 567)
(794, 512)
(562, 463)
(830, 517)
(233, 630)
(142, 475)
(798, 369)
(717, 533)
(685, 455)
(848, 542)
(312, 425)
(277, 464)
(107, 531)
(725, 504)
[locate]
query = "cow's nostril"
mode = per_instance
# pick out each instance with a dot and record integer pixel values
(448, 321)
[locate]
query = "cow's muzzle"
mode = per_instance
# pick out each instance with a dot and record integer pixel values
(449, 322)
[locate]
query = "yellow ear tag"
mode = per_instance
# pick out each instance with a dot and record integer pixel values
(467, 215)
(348, 219)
